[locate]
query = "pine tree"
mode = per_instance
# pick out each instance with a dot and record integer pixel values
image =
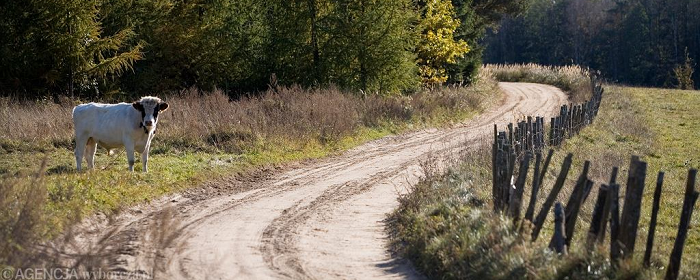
(63, 47)
(81, 56)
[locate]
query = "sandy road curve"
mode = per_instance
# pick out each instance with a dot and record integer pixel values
(321, 221)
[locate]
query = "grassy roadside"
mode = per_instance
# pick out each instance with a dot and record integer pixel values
(572, 79)
(202, 137)
(662, 129)
(445, 226)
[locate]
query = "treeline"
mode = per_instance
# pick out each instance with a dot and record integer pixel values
(640, 42)
(101, 48)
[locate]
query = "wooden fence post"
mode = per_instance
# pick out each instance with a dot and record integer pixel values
(606, 209)
(494, 165)
(501, 166)
(529, 134)
(557, 132)
(575, 201)
(535, 187)
(633, 204)
(559, 238)
(545, 166)
(597, 219)
(509, 177)
(574, 119)
(571, 225)
(510, 135)
(516, 200)
(551, 132)
(541, 135)
(691, 196)
(652, 223)
(539, 221)
(613, 201)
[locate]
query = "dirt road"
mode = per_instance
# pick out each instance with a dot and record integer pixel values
(320, 221)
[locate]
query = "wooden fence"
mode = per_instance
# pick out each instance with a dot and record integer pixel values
(525, 140)
(528, 137)
(572, 118)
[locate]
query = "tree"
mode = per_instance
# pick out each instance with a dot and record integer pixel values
(475, 17)
(437, 47)
(203, 43)
(63, 42)
(355, 44)
(293, 56)
(370, 45)
(632, 41)
(684, 73)
(635, 41)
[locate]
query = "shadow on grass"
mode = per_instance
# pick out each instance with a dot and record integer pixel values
(61, 169)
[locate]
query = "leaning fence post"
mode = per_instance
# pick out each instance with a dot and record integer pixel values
(606, 208)
(614, 202)
(652, 223)
(545, 166)
(576, 199)
(596, 221)
(633, 203)
(516, 200)
(539, 221)
(691, 196)
(559, 239)
(571, 225)
(535, 188)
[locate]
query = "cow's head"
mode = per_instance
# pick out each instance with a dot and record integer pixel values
(149, 107)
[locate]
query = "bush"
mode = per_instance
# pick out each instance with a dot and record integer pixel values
(684, 73)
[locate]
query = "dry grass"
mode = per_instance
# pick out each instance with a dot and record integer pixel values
(439, 233)
(446, 227)
(21, 214)
(572, 79)
(209, 121)
(657, 125)
(202, 136)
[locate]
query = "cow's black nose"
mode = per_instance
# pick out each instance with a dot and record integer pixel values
(149, 123)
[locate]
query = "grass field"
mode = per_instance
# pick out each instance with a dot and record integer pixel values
(446, 226)
(202, 137)
(664, 133)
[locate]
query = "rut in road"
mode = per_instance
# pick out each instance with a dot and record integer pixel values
(324, 220)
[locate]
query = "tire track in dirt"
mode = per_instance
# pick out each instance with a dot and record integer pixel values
(324, 220)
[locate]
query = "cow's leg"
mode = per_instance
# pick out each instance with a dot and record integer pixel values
(129, 146)
(90, 150)
(144, 157)
(80, 141)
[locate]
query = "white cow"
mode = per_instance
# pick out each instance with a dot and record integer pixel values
(116, 125)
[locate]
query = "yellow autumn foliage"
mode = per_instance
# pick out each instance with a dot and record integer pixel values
(438, 47)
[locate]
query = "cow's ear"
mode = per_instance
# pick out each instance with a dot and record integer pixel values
(162, 106)
(137, 105)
